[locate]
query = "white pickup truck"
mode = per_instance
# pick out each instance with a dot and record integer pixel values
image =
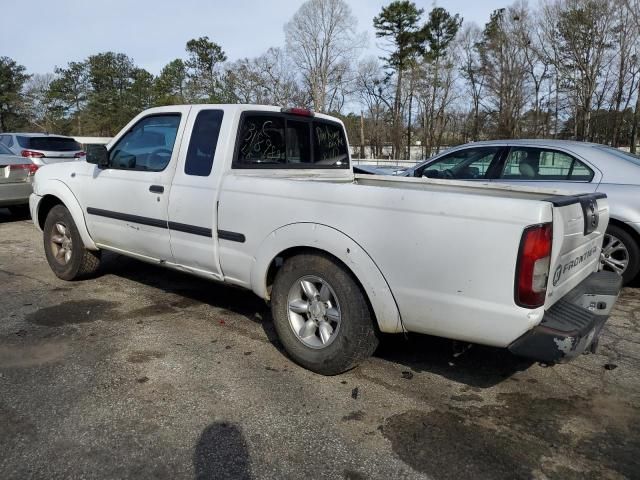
(265, 198)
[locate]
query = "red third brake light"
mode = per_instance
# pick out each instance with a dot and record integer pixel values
(80, 154)
(303, 112)
(534, 260)
(31, 154)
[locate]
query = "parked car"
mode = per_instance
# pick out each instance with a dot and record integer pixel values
(42, 148)
(568, 166)
(265, 198)
(378, 169)
(16, 174)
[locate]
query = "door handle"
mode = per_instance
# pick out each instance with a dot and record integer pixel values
(156, 189)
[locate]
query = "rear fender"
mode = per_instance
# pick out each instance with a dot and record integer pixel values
(62, 192)
(336, 243)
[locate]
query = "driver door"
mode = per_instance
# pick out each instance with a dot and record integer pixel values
(472, 163)
(126, 204)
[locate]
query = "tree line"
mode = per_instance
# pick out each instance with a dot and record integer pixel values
(566, 69)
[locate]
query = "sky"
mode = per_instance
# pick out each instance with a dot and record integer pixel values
(46, 33)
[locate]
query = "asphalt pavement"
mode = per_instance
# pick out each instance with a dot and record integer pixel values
(144, 373)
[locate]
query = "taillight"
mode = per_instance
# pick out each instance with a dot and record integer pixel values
(534, 260)
(31, 154)
(30, 168)
(80, 154)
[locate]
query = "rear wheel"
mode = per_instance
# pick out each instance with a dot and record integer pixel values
(321, 315)
(66, 254)
(620, 253)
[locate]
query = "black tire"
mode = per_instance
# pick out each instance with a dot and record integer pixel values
(21, 211)
(356, 338)
(633, 267)
(82, 262)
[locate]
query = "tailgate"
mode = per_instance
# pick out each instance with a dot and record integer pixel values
(55, 157)
(579, 223)
(14, 170)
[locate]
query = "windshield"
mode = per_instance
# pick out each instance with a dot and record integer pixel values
(52, 144)
(629, 157)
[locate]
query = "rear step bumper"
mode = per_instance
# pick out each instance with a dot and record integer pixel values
(573, 324)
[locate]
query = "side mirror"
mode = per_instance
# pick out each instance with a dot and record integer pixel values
(98, 155)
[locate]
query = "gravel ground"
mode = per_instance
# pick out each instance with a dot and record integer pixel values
(148, 373)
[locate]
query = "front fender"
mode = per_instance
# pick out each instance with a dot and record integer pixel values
(336, 243)
(62, 192)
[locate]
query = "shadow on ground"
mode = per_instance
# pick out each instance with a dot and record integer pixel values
(7, 217)
(473, 365)
(477, 366)
(221, 452)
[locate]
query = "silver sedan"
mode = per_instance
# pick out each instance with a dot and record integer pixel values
(575, 167)
(15, 181)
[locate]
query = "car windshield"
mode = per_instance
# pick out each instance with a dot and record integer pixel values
(52, 144)
(629, 157)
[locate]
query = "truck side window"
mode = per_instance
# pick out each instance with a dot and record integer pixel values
(148, 146)
(202, 146)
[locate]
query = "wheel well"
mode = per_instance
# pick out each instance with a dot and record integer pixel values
(626, 228)
(279, 260)
(46, 204)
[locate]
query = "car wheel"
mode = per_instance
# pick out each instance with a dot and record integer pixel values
(321, 315)
(66, 254)
(19, 210)
(620, 253)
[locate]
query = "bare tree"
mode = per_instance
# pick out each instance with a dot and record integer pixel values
(375, 92)
(267, 80)
(505, 69)
(38, 105)
(472, 72)
(583, 32)
(322, 40)
(633, 9)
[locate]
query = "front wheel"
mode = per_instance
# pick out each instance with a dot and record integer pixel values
(620, 253)
(65, 251)
(321, 315)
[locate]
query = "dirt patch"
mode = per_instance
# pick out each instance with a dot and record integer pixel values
(467, 398)
(445, 445)
(19, 356)
(151, 311)
(143, 356)
(523, 437)
(357, 416)
(73, 312)
(14, 425)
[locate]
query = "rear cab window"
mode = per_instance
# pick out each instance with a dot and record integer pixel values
(48, 143)
(273, 140)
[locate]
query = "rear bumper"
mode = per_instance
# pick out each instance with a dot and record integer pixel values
(573, 324)
(15, 193)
